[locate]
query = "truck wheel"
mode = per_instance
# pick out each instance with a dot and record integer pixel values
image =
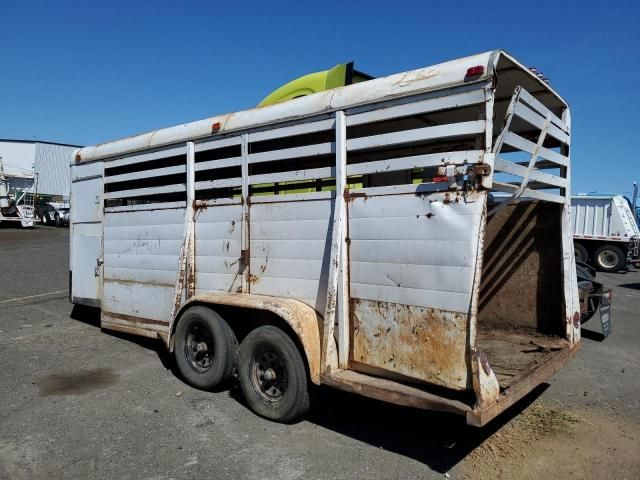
(580, 252)
(45, 219)
(610, 258)
(205, 348)
(57, 220)
(272, 374)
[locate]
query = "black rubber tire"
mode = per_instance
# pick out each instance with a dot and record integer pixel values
(610, 267)
(580, 252)
(45, 219)
(224, 342)
(295, 400)
(57, 220)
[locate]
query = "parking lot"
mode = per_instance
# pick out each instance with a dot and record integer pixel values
(78, 402)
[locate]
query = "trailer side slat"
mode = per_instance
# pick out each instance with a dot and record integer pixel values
(297, 152)
(301, 129)
(146, 157)
(528, 193)
(538, 121)
(417, 135)
(519, 170)
(541, 109)
(139, 192)
(516, 141)
(416, 161)
(220, 183)
(220, 163)
(157, 172)
(310, 174)
(424, 106)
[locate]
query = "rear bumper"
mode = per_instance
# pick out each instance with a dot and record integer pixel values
(535, 375)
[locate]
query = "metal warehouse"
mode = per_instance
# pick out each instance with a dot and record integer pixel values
(36, 166)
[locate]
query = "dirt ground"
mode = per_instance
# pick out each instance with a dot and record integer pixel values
(80, 402)
(551, 441)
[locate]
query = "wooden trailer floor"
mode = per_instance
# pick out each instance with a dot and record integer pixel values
(512, 352)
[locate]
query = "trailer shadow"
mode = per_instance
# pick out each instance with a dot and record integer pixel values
(438, 440)
(91, 316)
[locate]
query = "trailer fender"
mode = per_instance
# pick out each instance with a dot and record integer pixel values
(303, 320)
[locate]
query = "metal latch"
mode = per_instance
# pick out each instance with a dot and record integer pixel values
(99, 262)
(244, 258)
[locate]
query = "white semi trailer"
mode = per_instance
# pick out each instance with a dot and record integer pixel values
(605, 232)
(346, 238)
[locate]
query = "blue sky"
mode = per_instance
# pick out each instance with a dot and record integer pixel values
(83, 73)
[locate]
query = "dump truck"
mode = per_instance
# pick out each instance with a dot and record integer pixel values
(605, 231)
(346, 238)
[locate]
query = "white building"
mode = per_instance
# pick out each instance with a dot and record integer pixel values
(41, 165)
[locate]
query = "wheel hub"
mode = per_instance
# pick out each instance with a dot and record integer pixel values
(608, 258)
(199, 348)
(269, 376)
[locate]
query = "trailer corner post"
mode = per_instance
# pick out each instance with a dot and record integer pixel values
(186, 260)
(337, 304)
(244, 241)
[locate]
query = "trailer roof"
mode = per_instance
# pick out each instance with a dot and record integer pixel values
(443, 75)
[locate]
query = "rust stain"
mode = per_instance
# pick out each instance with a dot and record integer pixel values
(199, 205)
(351, 196)
(253, 279)
(421, 343)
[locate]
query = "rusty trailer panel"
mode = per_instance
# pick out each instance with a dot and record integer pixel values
(417, 342)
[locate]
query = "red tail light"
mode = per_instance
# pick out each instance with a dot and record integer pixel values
(475, 71)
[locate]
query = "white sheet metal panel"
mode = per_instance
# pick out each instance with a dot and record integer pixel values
(602, 217)
(412, 262)
(85, 251)
(85, 231)
(141, 252)
(415, 250)
(86, 170)
(86, 200)
(142, 300)
(218, 233)
(290, 249)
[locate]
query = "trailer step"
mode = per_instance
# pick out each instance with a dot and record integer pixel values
(392, 391)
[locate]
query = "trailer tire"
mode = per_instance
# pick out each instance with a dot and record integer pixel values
(200, 331)
(273, 375)
(580, 252)
(610, 258)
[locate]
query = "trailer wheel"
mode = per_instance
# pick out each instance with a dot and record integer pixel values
(580, 252)
(610, 258)
(205, 348)
(273, 375)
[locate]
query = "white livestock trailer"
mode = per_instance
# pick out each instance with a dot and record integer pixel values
(346, 238)
(605, 231)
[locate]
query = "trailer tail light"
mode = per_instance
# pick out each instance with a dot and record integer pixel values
(215, 128)
(475, 71)
(440, 179)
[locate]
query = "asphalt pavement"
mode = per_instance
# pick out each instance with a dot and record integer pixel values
(79, 402)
